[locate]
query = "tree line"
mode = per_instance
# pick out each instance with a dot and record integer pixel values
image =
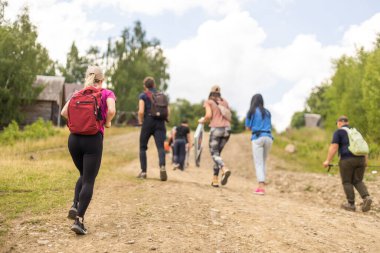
(127, 60)
(353, 90)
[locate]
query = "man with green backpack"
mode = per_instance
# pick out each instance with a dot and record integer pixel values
(353, 152)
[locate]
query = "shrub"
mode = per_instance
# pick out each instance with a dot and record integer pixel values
(10, 133)
(38, 130)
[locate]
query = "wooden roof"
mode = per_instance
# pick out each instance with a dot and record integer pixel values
(53, 88)
(70, 88)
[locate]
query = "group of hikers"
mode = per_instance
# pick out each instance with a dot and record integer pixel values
(92, 109)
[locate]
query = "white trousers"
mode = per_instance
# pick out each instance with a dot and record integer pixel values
(260, 150)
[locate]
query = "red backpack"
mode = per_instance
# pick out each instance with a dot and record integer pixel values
(84, 114)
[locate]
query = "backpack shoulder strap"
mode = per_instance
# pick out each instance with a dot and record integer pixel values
(149, 94)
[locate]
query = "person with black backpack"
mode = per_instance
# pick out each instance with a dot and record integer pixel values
(152, 114)
(88, 111)
(352, 163)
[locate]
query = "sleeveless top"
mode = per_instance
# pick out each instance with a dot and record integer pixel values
(217, 119)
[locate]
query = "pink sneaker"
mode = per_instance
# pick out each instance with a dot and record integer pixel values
(259, 191)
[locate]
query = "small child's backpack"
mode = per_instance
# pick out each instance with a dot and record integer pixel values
(358, 146)
(160, 103)
(84, 113)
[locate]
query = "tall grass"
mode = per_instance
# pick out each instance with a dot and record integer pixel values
(38, 175)
(311, 150)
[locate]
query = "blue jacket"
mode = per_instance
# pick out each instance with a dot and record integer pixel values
(259, 126)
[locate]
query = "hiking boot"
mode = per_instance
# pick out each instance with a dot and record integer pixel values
(225, 177)
(348, 207)
(142, 175)
(367, 201)
(215, 181)
(78, 227)
(163, 175)
(73, 212)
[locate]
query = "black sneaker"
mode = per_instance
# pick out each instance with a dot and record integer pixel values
(225, 177)
(142, 175)
(73, 212)
(78, 227)
(163, 175)
(348, 207)
(367, 201)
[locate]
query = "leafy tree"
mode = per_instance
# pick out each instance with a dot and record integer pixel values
(3, 4)
(317, 102)
(74, 71)
(94, 55)
(342, 94)
(353, 90)
(131, 59)
(21, 59)
(298, 120)
(183, 109)
(371, 90)
(237, 126)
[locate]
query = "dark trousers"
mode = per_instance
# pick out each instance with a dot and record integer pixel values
(180, 152)
(156, 128)
(352, 173)
(219, 136)
(86, 152)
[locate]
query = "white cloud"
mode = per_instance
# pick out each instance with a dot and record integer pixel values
(282, 4)
(224, 52)
(59, 24)
(62, 22)
(362, 35)
(230, 52)
(154, 7)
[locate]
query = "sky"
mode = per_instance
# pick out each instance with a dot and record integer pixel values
(279, 48)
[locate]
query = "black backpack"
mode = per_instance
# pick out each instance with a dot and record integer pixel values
(159, 105)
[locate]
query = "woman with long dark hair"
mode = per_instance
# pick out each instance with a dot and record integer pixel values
(258, 121)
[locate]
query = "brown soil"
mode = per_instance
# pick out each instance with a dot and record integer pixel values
(299, 213)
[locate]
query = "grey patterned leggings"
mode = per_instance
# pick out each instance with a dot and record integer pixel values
(218, 138)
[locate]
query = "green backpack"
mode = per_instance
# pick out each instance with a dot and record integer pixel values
(358, 146)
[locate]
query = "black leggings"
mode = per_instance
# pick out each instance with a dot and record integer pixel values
(158, 130)
(86, 151)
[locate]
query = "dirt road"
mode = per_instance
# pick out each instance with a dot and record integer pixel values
(299, 213)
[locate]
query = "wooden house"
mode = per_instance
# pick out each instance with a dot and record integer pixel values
(48, 103)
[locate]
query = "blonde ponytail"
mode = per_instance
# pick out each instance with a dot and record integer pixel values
(90, 80)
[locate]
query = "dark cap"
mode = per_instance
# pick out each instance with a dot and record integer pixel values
(342, 119)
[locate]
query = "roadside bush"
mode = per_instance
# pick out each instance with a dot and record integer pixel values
(38, 130)
(10, 133)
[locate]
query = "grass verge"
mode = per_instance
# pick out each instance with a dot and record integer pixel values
(38, 176)
(311, 150)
